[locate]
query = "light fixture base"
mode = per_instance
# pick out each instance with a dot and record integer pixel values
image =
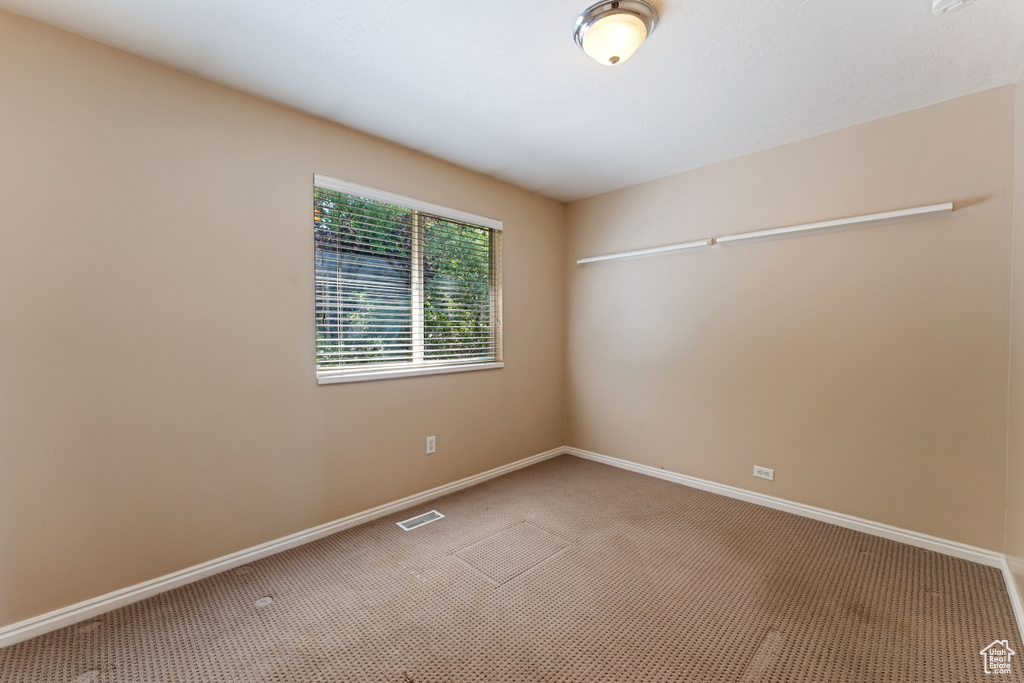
(944, 6)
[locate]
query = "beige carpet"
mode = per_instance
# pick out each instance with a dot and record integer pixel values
(566, 571)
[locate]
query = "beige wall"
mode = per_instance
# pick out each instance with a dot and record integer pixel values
(1015, 453)
(158, 404)
(868, 367)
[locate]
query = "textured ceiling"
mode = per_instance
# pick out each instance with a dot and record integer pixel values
(500, 87)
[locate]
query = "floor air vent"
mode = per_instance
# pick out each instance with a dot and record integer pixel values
(420, 520)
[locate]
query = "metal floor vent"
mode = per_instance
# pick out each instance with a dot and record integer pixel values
(420, 520)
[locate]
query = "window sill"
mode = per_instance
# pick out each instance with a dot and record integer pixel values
(337, 376)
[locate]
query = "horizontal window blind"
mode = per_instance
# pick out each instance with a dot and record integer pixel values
(399, 287)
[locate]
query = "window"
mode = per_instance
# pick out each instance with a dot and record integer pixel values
(403, 287)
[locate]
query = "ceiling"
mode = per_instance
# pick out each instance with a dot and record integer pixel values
(501, 88)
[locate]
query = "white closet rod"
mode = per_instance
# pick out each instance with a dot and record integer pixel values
(652, 250)
(808, 227)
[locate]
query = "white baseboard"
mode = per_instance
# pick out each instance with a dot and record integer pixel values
(65, 616)
(914, 538)
(963, 551)
(1008, 565)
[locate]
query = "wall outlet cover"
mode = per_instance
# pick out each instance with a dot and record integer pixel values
(764, 473)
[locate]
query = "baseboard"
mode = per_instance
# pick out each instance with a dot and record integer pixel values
(65, 616)
(914, 538)
(1011, 588)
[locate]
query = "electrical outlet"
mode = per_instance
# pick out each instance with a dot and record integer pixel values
(764, 473)
(431, 444)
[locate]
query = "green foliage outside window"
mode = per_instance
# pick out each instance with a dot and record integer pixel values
(369, 286)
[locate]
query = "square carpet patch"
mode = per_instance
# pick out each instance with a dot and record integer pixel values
(507, 554)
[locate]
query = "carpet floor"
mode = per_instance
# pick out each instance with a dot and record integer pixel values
(568, 570)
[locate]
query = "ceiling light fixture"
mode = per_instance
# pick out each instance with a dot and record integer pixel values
(611, 32)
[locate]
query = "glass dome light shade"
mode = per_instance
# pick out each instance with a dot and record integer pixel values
(614, 38)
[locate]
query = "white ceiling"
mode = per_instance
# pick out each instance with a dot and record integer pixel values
(500, 87)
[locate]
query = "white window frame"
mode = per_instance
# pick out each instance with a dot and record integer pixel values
(335, 376)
